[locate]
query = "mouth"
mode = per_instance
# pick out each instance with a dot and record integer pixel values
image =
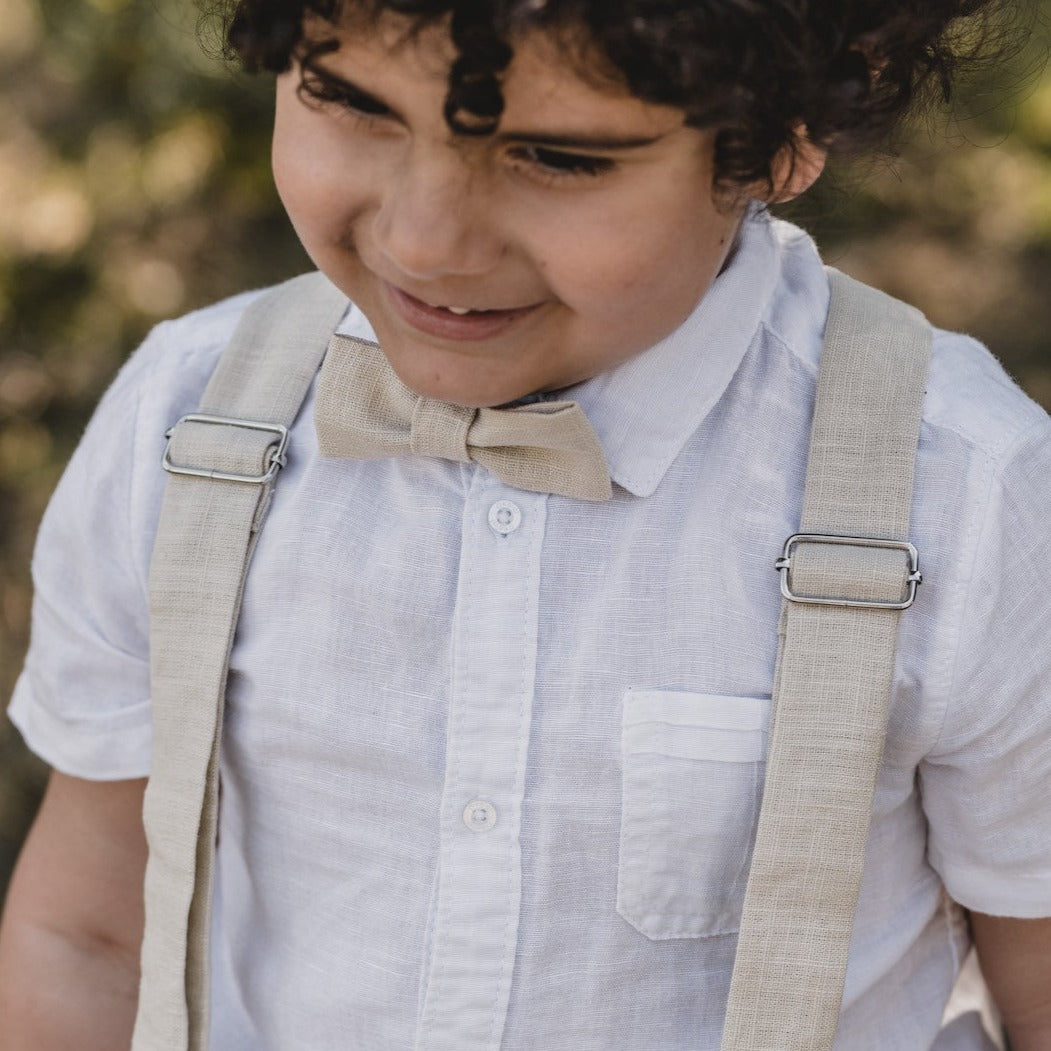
(454, 321)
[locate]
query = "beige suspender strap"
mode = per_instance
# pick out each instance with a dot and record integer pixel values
(834, 674)
(223, 461)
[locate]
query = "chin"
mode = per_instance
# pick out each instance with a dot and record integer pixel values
(466, 383)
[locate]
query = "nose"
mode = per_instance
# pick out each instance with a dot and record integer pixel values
(434, 219)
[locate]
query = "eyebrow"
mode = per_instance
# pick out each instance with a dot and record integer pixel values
(553, 140)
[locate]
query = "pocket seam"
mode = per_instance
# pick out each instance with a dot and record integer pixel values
(637, 877)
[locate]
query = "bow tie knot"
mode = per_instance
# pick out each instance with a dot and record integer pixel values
(441, 430)
(363, 411)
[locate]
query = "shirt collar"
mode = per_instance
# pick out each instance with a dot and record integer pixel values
(645, 410)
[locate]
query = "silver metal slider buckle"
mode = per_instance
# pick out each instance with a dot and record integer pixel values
(784, 564)
(275, 458)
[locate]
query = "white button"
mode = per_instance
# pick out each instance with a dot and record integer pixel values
(505, 517)
(479, 815)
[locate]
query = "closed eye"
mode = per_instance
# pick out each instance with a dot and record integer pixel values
(561, 163)
(318, 86)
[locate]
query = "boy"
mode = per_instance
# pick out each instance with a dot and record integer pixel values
(438, 828)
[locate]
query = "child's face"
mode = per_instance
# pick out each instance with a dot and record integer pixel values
(586, 226)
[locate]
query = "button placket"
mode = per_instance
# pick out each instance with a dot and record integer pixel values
(494, 661)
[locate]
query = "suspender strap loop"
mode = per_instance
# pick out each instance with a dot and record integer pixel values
(833, 678)
(223, 462)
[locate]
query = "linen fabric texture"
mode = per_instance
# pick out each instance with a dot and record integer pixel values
(204, 544)
(831, 693)
(364, 411)
(470, 729)
(833, 678)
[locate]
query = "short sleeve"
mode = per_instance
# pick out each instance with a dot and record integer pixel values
(985, 784)
(82, 702)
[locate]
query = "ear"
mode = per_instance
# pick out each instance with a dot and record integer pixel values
(796, 168)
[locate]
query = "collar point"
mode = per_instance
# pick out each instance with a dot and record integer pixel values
(636, 485)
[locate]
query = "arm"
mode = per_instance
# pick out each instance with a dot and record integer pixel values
(1016, 960)
(69, 942)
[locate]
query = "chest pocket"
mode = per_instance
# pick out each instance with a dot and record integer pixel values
(693, 769)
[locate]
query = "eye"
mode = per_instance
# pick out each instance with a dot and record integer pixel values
(320, 88)
(558, 164)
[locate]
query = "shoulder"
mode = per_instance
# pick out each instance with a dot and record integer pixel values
(175, 361)
(114, 482)
(971, 396)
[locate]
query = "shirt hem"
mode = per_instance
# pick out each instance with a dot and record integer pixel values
(1020, 896)
(70, 749)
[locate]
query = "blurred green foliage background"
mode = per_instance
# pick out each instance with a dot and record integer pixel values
(134, 185)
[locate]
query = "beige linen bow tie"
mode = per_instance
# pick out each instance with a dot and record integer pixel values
(363, 411)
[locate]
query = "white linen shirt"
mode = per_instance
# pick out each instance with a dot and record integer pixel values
(493, 759)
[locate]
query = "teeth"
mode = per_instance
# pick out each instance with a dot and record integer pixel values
(459, 310)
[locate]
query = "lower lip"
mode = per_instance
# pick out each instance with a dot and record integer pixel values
(435, 321)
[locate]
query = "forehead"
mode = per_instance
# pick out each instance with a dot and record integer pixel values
(552, 73)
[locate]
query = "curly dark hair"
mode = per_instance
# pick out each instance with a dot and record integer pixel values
(847, 71)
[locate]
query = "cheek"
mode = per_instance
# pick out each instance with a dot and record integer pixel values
(286, 146)
(649, 263)
(292, 176)
(314, 179)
